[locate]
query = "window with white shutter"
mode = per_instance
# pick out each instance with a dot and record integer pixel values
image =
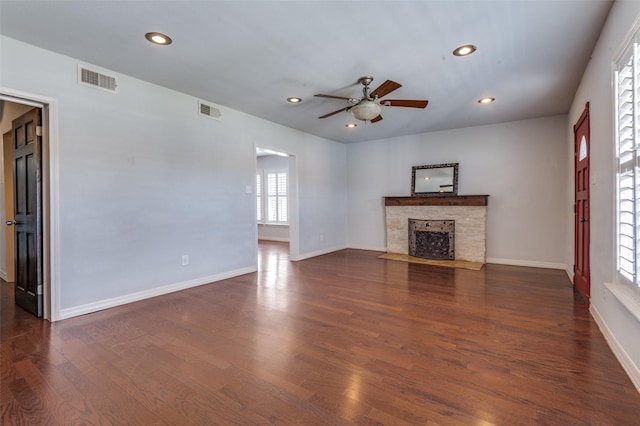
(272, 196)
(277, 196)
(627, 120)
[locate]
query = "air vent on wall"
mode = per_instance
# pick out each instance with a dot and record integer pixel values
(209, 111)
(91, 78)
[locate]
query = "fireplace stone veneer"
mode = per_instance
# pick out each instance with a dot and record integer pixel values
(468, 212)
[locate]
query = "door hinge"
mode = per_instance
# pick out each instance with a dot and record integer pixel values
(39, 289)
(38, 130)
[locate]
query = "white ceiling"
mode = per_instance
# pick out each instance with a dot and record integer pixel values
(252, 55)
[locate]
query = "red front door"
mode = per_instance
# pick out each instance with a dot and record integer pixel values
(582, 276)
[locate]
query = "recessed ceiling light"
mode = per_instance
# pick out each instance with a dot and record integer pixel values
(158, 38)
(486, 100)
(465, 50)
(294, 100)
(351, 125)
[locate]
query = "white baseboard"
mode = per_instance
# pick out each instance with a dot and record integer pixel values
(631, 368)
(570, 273)
(3, 275)
(304, 256)
(368, 248)
(146, 294)
(532, 264)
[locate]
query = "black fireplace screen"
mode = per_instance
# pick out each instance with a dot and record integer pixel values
(432, 239)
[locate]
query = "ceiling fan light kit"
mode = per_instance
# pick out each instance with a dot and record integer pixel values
(366, 110)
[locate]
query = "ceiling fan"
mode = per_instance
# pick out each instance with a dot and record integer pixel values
(368, 108)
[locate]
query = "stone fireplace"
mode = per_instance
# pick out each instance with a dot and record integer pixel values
(468, 212)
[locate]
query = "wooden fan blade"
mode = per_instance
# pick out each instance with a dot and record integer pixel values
(331, 97)
(410, 103)
(385, 88)
(335, 112)
(376, 119)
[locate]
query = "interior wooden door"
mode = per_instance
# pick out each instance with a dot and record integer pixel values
(582, 276)
(7, 148)
(27, 223)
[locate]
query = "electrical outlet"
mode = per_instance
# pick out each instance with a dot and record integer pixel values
(185, 259)
(321, 237)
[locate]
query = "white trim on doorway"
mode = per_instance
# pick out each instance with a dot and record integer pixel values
(50, 191)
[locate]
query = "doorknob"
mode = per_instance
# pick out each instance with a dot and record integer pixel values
(15, 222)
(583, 219)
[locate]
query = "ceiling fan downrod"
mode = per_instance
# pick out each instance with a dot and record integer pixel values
(366, 90)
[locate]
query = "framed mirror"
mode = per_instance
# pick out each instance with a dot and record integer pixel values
(434, 180)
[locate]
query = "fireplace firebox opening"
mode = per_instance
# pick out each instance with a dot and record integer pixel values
(432, 239)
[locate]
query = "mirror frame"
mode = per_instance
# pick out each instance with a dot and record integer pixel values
(434, 194)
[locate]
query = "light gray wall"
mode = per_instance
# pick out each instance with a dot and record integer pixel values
(143, 180)
(271, 232)
(520, 165)
(620, 327)
(273, 162)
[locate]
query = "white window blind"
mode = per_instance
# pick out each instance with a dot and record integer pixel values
(627, 99)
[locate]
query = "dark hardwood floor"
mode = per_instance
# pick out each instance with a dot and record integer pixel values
(338, 339)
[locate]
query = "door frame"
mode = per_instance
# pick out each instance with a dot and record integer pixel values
(50, 197)
(294, 224)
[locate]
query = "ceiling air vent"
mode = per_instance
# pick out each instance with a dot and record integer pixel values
(92, 78)
(208, 110)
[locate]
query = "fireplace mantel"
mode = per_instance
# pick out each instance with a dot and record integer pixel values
(444, 200)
